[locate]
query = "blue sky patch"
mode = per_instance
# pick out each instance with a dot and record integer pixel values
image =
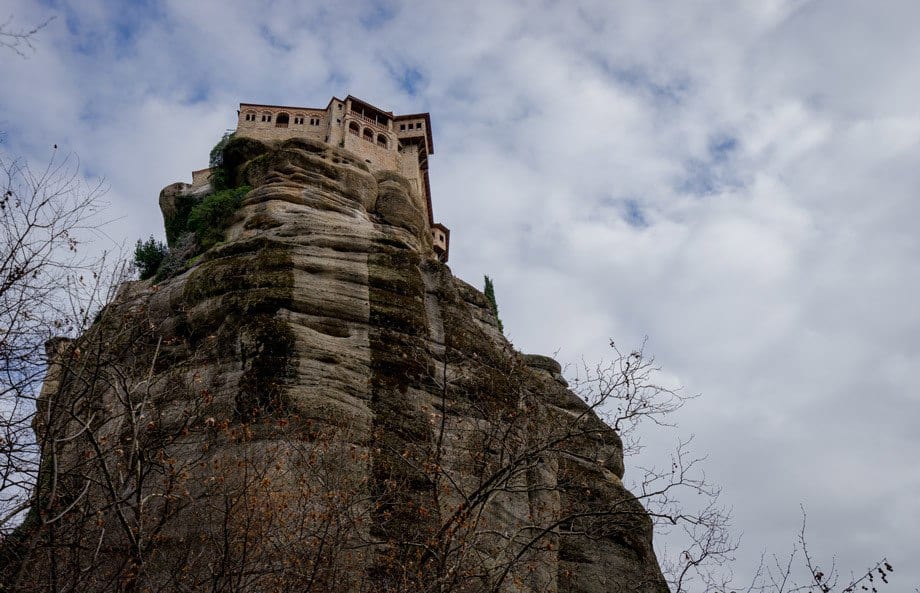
(376, 14)
(633, 215)
(273, 40)
(706, 176)
(199, 92)
(410, 81)
(669, 92)
(700, 179)
(721, 148)
(119, 34)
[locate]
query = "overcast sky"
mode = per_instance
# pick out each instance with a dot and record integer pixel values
(735, 180)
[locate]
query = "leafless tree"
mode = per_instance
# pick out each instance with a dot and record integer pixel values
(20, 39)
(801, 572)
(47, 288)
(630, 399)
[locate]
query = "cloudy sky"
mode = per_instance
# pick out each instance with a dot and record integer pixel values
(735, 180)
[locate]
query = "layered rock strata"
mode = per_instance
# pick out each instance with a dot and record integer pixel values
(317, 403)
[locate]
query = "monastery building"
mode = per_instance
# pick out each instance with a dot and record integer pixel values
(386, 142)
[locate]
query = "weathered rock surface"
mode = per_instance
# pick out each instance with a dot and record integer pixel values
(317, 404)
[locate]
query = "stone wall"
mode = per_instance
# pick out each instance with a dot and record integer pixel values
(377, 157)
(407, 166)
(261, 122)
(200, 177)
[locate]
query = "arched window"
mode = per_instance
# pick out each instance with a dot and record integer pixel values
(266, 117)
(250, 116)
(298, 118)
(368, 134)
(382, 140)
(282, 120)
(354, 128)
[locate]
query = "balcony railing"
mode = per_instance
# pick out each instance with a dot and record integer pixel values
(370, 120)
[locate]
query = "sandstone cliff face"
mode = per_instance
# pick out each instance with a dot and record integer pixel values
(318, 405)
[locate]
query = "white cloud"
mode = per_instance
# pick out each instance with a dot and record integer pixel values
(735, 180)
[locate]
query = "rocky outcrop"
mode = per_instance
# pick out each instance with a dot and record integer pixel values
(317, 403)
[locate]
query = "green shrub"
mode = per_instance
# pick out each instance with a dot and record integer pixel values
(220, 179)
(177, 225)
(148, 255)
(178, 258)
(210, 218)
(238, 151)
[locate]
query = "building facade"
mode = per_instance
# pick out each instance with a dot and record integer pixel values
(386, 142)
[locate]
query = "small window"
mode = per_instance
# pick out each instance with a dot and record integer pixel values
(282, 120)
(354, 129)
(402, 127)
(340, 105)
(418, 126)
(368, 134)
(381, 140)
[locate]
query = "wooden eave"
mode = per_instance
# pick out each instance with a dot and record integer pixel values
(427, 117)
(261, 106)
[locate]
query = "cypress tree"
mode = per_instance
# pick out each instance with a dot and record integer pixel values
(489, 291)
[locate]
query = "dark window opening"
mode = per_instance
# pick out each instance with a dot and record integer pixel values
(382, 140)
(368, 134)
(282, 120)
(354, 129)
(402, 127)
